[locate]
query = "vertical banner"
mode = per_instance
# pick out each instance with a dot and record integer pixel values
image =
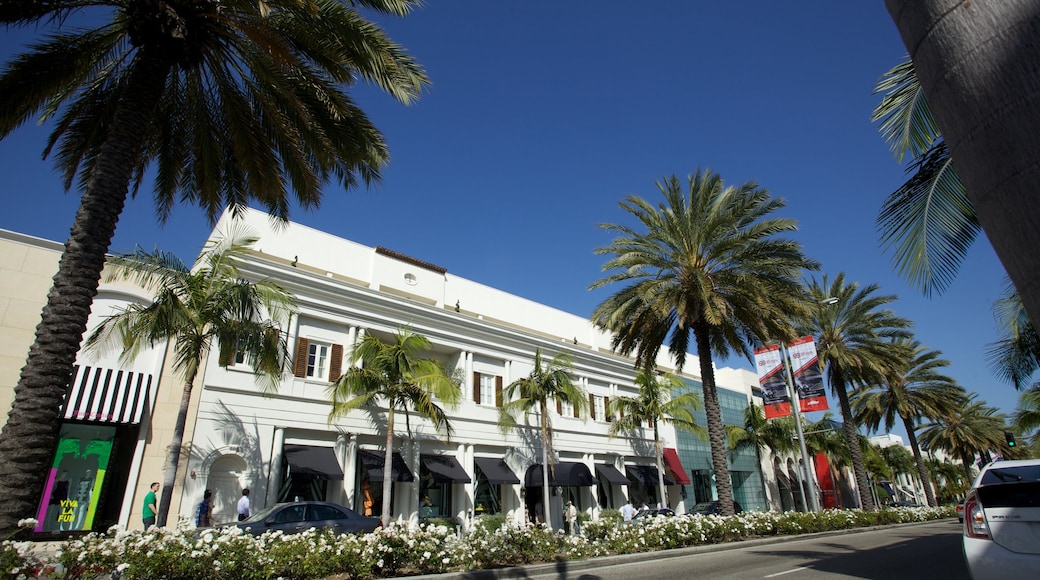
(70, 499)
(808, 379)
(770, 367)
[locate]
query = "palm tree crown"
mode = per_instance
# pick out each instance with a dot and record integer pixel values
(395, 376)
(193, 308)
(917, 389)
(660, 401)
(532, 394)
(854, 341)
(231, 102)
(971, 429)
(706, 263)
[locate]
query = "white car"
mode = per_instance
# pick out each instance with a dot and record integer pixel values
(1002, 522)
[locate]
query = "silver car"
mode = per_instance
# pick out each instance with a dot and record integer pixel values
(1002, 522)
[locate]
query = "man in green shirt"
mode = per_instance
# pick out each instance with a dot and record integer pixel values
(149, 510)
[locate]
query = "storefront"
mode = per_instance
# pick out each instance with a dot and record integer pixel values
(491, 474)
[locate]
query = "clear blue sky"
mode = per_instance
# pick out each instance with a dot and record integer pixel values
(543, 115)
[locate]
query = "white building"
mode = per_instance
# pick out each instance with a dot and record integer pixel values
(283, 446)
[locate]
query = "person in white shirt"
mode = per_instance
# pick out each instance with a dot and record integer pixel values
(627, 511)
(243, 505)
(571, 515)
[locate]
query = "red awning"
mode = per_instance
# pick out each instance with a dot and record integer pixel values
(671, 459)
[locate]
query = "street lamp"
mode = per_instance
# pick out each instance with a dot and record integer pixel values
(807, 474)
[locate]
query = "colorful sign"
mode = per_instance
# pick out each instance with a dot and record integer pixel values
(770, 366)
(808, 379)
(74, 481)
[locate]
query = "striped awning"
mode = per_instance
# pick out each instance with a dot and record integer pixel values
(104, 395)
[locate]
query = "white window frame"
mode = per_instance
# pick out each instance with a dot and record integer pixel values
(600, 407)
(487, 390)
(319, 358)
(566, 409)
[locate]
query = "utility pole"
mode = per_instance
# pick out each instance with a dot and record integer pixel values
(808, 474)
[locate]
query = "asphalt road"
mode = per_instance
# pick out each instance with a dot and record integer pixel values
(907, 552)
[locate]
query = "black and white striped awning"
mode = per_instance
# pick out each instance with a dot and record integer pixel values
(105, 395)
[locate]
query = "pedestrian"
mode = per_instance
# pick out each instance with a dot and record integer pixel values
(538, 512)
(150, 507)
(204, 512)
(243, 505)
(627, 511)
(571, 514)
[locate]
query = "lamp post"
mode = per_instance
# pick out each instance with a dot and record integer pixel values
(808, 474)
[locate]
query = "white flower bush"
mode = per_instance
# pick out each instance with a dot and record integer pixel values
(402, 550)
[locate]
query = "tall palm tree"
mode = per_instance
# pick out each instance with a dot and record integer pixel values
(394, 376)
(854, 341)
(233, 101)
(1027, 416)
(708, 263)
(915, 390)
(193, 308)
(660, 401)
(971, 429)
(532, 394)
(1015, 356)
(971, 60)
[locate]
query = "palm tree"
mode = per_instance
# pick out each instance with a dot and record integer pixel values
(759, 434)
(1015, 356)
(233, 101)
(1027, 416)
(709, 264)
(393, 375)
(975, 84)
(532, 394)
(971, 429)
(193, 308)
(659, 402)
(853, 338)
(917, 389)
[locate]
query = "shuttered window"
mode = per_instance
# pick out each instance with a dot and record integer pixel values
(316, 360)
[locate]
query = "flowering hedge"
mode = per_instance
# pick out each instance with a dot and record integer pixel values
(400, 550)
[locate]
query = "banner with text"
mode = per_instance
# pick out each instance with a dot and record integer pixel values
(770, 367)
(808, 379)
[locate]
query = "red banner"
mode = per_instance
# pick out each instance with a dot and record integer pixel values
(808, 379)
(770, 367)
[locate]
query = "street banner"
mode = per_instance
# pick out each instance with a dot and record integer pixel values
(808, 379)
(770, 367)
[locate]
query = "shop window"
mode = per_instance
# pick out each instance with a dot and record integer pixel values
(74, 480)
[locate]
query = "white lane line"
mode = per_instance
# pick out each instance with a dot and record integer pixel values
(798, 569)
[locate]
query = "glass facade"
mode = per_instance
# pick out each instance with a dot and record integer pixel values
(695, 454)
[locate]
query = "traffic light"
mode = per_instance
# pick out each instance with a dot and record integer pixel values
(1010, 438)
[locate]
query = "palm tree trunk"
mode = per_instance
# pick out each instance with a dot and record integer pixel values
(173, 453)
(545, 463)
(716, 431)
(388, 466)
(922, 473)
(976, 62)
(866, 499)
(30, 436)
(662, 498)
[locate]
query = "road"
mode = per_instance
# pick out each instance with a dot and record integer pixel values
(897, 553)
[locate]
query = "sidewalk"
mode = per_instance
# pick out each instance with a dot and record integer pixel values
(520, 572)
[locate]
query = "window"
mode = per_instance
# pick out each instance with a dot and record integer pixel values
(600, 406)
(566, 409)
(487, 389)
(317, 360)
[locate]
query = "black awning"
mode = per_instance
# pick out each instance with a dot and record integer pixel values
(373, 465)
(565, 473)
(445, 469)
(496, 470)
(646, 475)
(611, 474)
(311, 461)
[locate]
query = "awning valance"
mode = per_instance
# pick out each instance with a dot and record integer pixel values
(373, 465)
(645, 475)
(565, 473)
(317, 462)
(107, 395)
(671, 459)
(445, 469)
(611, 474)
(496, 471)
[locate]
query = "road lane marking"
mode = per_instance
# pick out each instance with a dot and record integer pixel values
(798, 569)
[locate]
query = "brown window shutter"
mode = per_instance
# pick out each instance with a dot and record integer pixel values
(300, 364)
(606, 408)
(336, 364)
(592, 406)
(574, 409)
(476, 388)
(559, 406)
(498, 391)
(227, 359)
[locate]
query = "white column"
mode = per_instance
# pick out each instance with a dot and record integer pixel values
(274, 479)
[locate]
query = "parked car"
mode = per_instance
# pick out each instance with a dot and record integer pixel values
(960, 511)
(902, 503)
(296, 517)
(714, 508)
(653, 513)
(1002, 521)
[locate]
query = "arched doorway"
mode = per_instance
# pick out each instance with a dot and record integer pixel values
(226, 479)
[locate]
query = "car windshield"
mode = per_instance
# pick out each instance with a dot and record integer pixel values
(260, 515)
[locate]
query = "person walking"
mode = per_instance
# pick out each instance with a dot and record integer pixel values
(243, 505)
(627, 511)
(150, 507)
(571, 515)
(205, 510)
